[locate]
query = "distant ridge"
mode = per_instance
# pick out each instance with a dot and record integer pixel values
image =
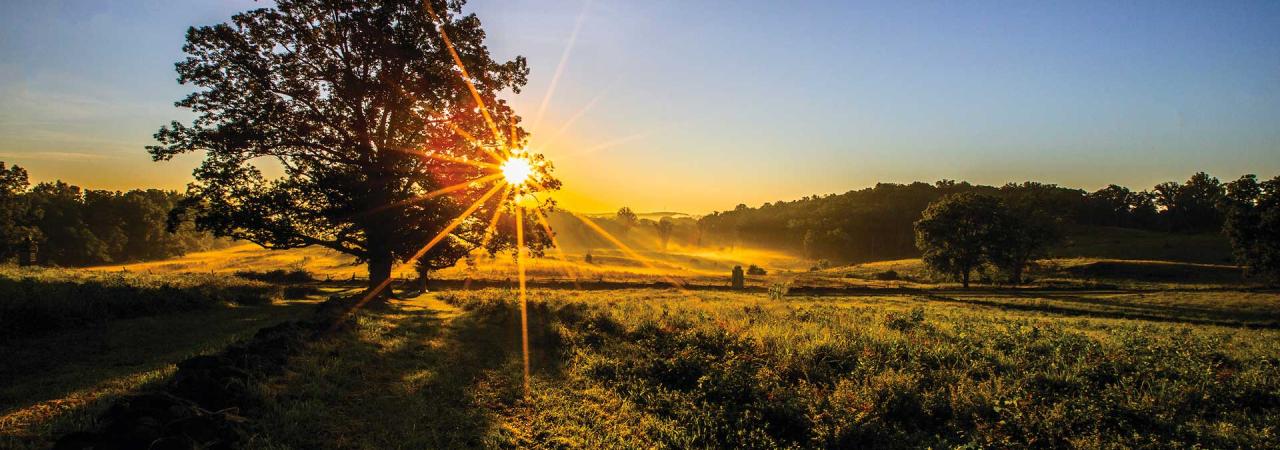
(646, 215)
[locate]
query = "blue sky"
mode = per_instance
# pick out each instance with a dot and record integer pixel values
(700, 105)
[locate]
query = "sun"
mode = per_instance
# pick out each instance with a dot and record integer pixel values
(517, 170)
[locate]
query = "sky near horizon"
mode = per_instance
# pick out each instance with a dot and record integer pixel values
(696, 106)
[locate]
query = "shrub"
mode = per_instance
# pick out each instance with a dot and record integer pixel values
(282, 276)
(905, 322)
(888, 275)
(756, 270)
(822, 264)
(778, 291)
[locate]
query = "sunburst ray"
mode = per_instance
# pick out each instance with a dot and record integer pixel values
(555, 244)
(626, 249)
(492, 228)
(438, 192)
(462, 69)
(564, 61)
(524, 305)
(435, 240)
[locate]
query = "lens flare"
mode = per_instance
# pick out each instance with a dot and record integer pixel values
(517, 170)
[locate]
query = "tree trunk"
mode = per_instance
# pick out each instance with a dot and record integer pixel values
(380, 261)
(964, 278)
(380, 273)
(424, 278)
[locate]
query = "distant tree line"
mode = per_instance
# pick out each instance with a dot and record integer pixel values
(880, 222)
(1252, 211)
(59, 224)
(877, 223)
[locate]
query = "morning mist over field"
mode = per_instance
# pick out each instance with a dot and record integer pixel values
(617, 224)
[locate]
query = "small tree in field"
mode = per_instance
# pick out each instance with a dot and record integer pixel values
(627, 219)
(1253, 225)
(664, 226)
(366, 108)
(955, 232)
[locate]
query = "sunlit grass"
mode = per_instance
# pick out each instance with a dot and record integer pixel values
(898, 371)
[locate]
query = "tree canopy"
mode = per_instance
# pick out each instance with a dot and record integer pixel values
(956, 231)
(66, 225)
(13, 232)
(1253, 224)
(370, 108)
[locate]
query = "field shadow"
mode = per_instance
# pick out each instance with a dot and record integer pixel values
(56, 382)
(1080, 306)
(408, 378)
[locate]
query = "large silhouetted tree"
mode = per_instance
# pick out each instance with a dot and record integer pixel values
(1253, 224)
(1191, 207)
(1020, 235)
(348, 98)
(955, 232)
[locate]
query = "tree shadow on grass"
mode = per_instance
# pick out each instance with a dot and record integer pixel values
(56, 383)
(407, 378)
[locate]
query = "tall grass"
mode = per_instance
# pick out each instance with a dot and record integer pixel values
(739, 371)
(37, 300)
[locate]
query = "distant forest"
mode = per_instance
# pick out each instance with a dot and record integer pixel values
(70, 226)
(57, 224)
(876, 223)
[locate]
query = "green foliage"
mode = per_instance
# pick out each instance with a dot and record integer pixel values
(876, 223)
(70, 226)
(1117, 206)
(888, 275)
(1253, 225)
(1191, 207)
(346, 96)
(14, 231)
(282, 276)
(962, 231)
(729, 372)
(40, 300)
(1025, 227)
(778, 291)
(956, 232)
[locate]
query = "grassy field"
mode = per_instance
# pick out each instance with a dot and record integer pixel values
(39, 300)
(671, 369)
(1092, 353)
(701, 266)
(76, 340)
(706, 267)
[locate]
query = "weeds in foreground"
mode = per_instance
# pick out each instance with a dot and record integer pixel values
(713, 373)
